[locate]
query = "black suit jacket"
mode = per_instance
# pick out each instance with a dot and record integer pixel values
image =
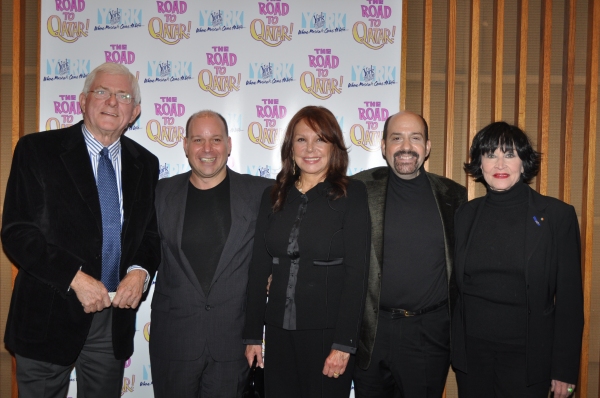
(185, 319)
(52, 227)
(449, 196)
(333, 244)
(554, 292)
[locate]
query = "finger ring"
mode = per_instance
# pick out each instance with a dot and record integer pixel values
(127, 305)
(335, 374)
(570, 390)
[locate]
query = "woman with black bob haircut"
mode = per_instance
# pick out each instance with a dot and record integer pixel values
(518, 321)
(312, 236)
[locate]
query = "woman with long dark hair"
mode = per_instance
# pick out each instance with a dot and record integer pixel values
(312, 236)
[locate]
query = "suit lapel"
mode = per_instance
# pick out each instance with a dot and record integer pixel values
(536, 225)
(377, 191)
(239, 221)
(79, 167)
(446, 214)
(131, 172)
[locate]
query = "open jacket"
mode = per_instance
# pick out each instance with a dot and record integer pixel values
(553, 283)
(449, 196)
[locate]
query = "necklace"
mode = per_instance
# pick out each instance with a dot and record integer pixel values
(299, 185)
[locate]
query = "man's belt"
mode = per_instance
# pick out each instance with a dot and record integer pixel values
(401, 313)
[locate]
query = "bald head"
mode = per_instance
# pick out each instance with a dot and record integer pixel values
(406, 114)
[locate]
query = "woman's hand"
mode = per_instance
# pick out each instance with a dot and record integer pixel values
(254, 350)
(561, 389)
(335, 364)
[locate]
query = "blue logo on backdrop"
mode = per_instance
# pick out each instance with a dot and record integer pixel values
(168, 70)
(270, 72)
(234, 122)
(118, 18)
(220, 20)
(262, 171)
(372, 75)
(322, 22)
(66, 69)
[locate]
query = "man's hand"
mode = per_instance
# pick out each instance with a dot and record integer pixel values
(254, 350)
(130, 290)
(335, 363)
(90, 292)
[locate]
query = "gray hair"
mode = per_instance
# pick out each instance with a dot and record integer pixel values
(114, 69)
(206, 113)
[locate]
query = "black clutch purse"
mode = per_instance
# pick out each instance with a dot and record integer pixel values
(255, 386)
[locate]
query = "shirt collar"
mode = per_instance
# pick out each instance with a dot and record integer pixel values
(95, 146)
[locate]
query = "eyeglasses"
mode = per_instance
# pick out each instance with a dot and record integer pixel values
(102, 94)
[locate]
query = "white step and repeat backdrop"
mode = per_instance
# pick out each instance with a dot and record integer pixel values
(255, 62)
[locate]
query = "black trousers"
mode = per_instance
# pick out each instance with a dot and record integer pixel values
(497, 370)
(203, 377)
(294, 361)
(99, 374)
(410, 359)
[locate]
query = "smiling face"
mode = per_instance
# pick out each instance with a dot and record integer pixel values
(501, 170)
(405, 147)
(207, 148)
(107, 119)
(311, 152)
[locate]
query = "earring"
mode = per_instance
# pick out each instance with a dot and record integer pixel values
(294, 166)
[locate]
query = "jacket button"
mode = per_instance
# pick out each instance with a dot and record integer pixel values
(207, 307)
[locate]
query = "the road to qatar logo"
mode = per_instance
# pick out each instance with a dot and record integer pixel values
(170, 31)
(322, 86)
(267, 135)
(271, 34)
(220, 84)
(67, 28)
(374, 36)
(118, 18)
(322, 22)
(220, 20)
(66, 108)
(166, 134)
(369, 137)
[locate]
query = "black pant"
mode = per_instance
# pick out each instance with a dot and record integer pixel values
(410, 359)
(497, 370)
(294, 361)
(99, 374)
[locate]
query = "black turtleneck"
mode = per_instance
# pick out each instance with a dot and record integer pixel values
(414, 258)
(495, 287)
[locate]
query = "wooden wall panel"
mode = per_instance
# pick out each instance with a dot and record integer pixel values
(473, 83)
(498, 60)
(568, 90)
(450, 87)
(544, 94)
(589, 172)
(521, 68)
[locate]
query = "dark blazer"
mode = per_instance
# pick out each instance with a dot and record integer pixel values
(185, 319)
(333, 243)
(554, 292)
(52, 227)
(449, 196)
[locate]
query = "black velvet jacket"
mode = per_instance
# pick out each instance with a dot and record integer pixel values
(449, 196)
(52, 227)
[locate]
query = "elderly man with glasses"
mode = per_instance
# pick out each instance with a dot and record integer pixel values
(79, 223)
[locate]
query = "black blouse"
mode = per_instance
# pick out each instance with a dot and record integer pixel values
(317, 251)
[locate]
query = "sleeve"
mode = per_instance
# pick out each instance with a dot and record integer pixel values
(147, 255)
(568, 317)
(357, 235)
(23, 239)
(259, 271)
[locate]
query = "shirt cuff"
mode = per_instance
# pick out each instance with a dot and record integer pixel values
(344, 348)
(146, 281)
(251, 342)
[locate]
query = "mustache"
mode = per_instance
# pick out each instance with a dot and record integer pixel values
(405, 152)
